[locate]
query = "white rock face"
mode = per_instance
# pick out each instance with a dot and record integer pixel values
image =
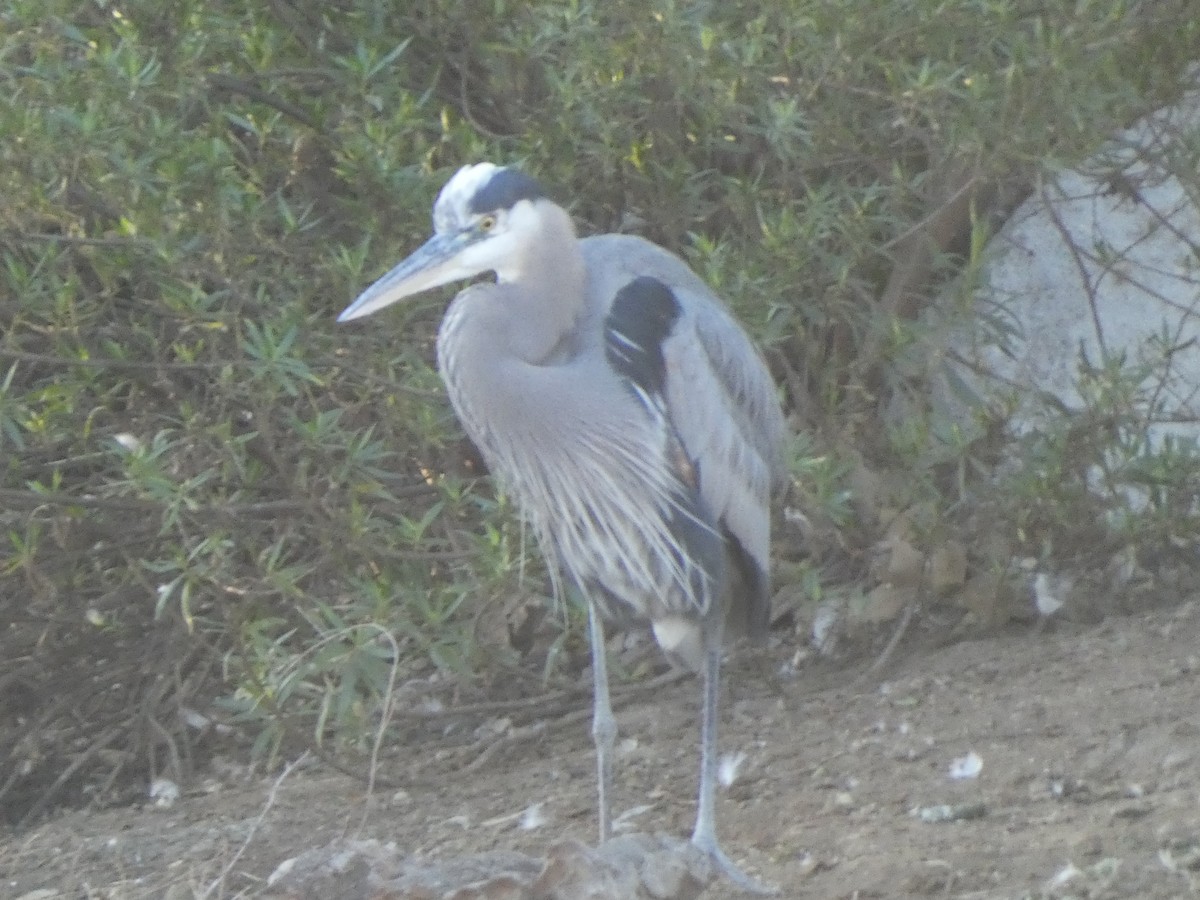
(1097, 266)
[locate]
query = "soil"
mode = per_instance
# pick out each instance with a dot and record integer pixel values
(1089, 783)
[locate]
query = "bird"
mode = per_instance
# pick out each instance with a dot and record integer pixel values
(631, 418)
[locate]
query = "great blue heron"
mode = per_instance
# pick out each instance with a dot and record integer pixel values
(628, 414)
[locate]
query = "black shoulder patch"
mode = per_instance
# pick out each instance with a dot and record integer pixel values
(642, 316)
(504, 189)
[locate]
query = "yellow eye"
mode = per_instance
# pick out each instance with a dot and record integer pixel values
(487, 223)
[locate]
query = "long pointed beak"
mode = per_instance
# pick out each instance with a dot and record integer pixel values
(437, 262)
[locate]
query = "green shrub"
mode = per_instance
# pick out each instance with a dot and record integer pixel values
(197, 461)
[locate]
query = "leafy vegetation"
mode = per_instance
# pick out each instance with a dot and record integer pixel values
(206, 487)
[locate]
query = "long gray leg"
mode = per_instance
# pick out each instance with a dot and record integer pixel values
(704, 835)
(604, 726)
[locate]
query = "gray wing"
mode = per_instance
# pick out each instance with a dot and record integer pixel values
(719, 395)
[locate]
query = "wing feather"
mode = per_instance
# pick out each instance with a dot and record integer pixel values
(719, 395)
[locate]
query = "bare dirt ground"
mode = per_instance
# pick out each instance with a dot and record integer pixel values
(1089, 787)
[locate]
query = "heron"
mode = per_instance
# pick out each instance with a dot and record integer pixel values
(631, 418)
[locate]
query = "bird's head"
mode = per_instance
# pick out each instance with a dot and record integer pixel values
(482, 220)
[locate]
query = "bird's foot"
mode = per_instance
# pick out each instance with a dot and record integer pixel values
(727, 868)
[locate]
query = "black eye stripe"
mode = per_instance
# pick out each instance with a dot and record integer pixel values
(503, 190)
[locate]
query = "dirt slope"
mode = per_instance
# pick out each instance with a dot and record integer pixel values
(1087, 738)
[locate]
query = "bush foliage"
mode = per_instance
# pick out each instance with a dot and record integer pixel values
(206, 487)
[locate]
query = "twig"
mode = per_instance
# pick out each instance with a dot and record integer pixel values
(487, 748)
(331, 369)
(106, 738)
(288, 769)
(884, 657)
(512, 737)
(389, 697)
(29, 499)
(546, 704)
(108, 363)
(119, 241)
(222, 81)
(492, 746)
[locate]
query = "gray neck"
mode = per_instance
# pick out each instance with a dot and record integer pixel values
(529, 319)
(543, 302)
